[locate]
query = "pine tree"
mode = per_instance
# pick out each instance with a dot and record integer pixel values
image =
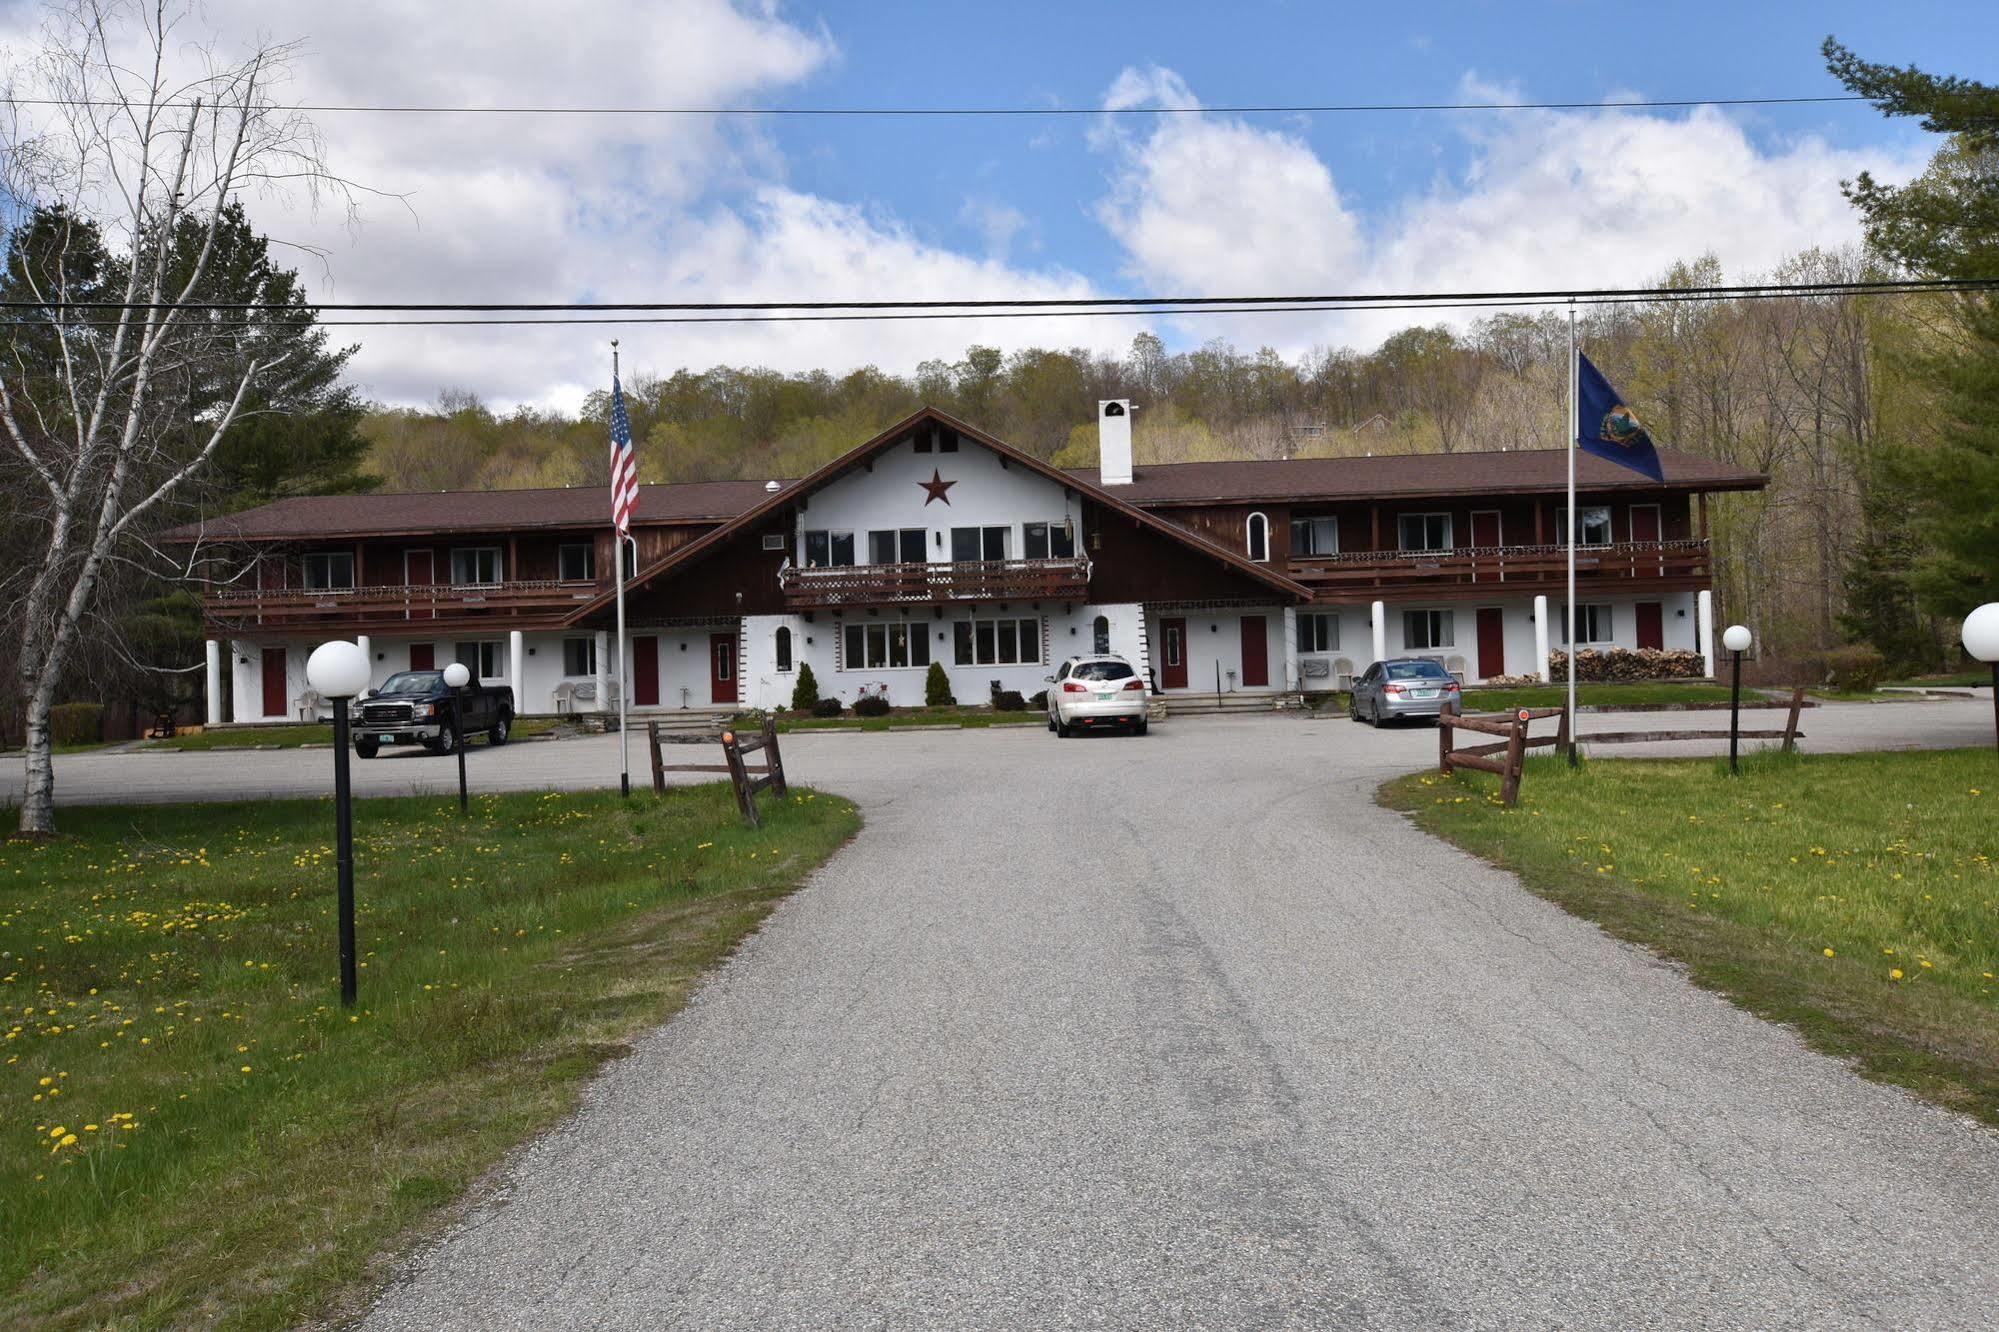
(805, 693)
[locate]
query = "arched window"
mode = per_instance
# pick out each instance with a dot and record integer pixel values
(784, 649)
(1100, 630)
(1259, 537)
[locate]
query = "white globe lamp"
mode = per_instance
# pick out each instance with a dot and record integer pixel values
(338, 669)
(1736, 638)
(456, 676)
(1981, 640)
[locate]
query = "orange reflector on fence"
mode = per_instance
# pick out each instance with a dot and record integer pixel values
(728, 737)
(1524, 715)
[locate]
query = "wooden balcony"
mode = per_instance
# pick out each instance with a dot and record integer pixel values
(398, 604)
(1476, 570)
(966, 580)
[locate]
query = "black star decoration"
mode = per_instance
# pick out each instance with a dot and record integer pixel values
(935, 488)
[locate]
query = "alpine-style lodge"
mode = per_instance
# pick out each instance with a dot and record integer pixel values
(935, 542)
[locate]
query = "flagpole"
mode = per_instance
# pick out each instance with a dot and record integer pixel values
(618, 558)
(1575, 433)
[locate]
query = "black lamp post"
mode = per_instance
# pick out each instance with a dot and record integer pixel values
(339, 670)
(456, 676)
(1736, 638)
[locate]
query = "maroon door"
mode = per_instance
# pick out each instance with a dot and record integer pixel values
(1172, 654)
(420, 572)
(423, 656)
(1645, 527)
(1484, 536)
(645, 672)
(1491, 642)
(721, 668)
(1651, 625)
(276, 696)
(1255, 652)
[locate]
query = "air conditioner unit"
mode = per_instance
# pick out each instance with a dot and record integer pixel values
(774, 541)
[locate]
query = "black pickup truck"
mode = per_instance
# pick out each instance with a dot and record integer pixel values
(414, 708)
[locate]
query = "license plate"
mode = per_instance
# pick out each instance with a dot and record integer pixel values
(1105, 698)
(386, 739)
(1426, 693)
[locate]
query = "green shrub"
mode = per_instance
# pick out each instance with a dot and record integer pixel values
(827, 707)
(76, 723)
(871, 705)
(937, 687)
(1857, 667)
(805, 694)
(1039, 701)
(1009, 700)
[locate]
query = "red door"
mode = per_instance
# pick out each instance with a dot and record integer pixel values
(423, 656)
(721, 668)
(1491, 642)
(1645, 527)
(1484, 536)
(276, 696)
(1172, 654)
(420, 572)
(645, 672)
(1651, 625)
(1255, 652)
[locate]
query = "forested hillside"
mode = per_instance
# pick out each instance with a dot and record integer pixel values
(1806, 389)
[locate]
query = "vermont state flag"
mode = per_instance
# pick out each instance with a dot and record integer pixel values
(1609, 429)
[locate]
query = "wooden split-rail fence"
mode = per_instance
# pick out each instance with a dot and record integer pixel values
(1507, 755)
(735, 746)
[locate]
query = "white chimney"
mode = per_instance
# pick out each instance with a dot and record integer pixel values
(1114, 442)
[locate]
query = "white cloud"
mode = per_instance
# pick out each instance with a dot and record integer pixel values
(1610, 198)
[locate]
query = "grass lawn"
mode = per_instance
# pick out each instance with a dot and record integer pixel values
(1505, 699)
(291, 737)
(197, 1135)
(1979, 676)
(1852, 896)
(902, 717)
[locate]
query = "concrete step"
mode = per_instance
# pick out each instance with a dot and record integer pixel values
(1199, 705)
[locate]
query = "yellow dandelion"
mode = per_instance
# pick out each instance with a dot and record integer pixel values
(1895, 973)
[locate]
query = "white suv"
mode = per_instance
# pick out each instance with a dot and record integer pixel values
(1095, 692)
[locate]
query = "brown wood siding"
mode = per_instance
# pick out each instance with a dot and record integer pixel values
(1134, 563)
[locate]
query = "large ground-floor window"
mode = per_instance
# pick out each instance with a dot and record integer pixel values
(486, 659)
(1595, 623)
(997, 642)
(1318, 632)
(579, 657)
(891, 646)
(1424, 629)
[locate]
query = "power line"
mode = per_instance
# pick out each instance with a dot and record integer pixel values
(1101, 304)
(884, 112)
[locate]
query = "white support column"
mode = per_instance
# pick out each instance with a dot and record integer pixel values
(1378, 615)
(603, 666)
(1706, 624)
(1541, 638)
(214, 682)
(517, 660)
(367, 646)
(1291, 680)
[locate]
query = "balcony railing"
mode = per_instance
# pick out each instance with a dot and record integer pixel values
(961, 580)
(1363, 571)
(396, 602)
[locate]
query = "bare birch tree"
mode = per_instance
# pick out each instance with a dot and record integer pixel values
(106, 143)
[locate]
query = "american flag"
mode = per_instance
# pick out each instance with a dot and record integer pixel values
(624, 463)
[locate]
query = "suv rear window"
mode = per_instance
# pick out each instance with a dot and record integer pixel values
(1103, 670)
(1417, 670)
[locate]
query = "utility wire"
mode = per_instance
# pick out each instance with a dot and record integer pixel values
(1092, 304)
(1309, 108)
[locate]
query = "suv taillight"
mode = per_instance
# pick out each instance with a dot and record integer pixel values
(1136, 684)
(1071, 687)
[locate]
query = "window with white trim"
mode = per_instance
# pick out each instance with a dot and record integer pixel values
(1100, 634)
(826, 549)
(484, 658)
(1595, 623)
(475, 566)
(1315, 536)
(576, 562)
(979, 543)
(1318, 631)
(1005, 641)
(329, 570)
(896, 545)
(579, 657)
(1048, 541)
(1592, 526)
(1423, 630)
(781, 650)
(1257, 537)
(886, 645)
(1424, 531)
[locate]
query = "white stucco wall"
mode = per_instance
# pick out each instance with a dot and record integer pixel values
(1214, 640)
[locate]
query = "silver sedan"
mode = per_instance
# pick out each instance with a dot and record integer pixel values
(1402, 687)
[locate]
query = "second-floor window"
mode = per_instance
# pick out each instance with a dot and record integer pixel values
(1259, 537)
(329, 570)
(1424, 531)
(1319, 633)
(896, 545)
(1048, 541)
(825, 549)
(576, 562)
(1315, 536)
(472, 566)
(1592, 526)
(978, 543)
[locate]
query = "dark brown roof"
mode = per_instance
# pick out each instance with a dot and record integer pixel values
(1413, 474)
(425, 512)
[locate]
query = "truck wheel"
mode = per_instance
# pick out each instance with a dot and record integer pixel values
(366, 748)
(498, 735)
(445, 743)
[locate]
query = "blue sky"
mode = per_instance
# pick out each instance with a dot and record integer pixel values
(769, 208)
